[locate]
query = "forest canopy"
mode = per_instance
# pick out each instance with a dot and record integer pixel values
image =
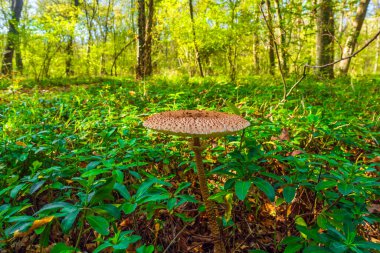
(231, 38)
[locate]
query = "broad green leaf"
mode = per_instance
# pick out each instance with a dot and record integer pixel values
(16, 190)
(108, 209)
(289, 193)
(102, 247)
(68, 221)
(122, 190)
(266, 187)
(182, 186)
(325, 185)
(95, 172)
(242, 188)
(293, 248)
(145, 249)
(62, 248)
(99, 224)
(316, 249)
(36, 186)
(127, 241)
(345, 188)
(129, 207)
(55, 205)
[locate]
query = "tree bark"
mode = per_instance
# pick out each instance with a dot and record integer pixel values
(13, 40)
(325, 37)
(272, 63)
(197, 56)
(352, 39)
(283, 51)
(144, 59)
(69, 49)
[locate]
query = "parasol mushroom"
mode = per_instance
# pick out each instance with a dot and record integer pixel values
(196, 124)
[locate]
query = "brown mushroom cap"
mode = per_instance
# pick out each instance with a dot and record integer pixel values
(196, 123)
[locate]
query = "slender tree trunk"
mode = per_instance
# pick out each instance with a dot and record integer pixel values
(69, 49)
(256, 59)
(103, 70)
(13, 40)
(272, 63)
(197, 56)
(352, 39)
(377, 51)
(144, 60)
(325, 37)
(283, 51)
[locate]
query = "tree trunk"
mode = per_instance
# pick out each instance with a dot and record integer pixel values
(283, 51)
(197, 56)
(144, 60)
(377, 51)
(325, 37)
(255, 49)
(352, 39)
(13, 40)
(272, 63)
(69, 49)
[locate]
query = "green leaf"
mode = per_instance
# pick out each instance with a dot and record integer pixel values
(108, 209)
(155, 197)
(322, 221)
(293, 248)
(129, 207)
(345, 188)
(182, 186)
(233, 108)
(62, 248)
(184, 217)
(325, 185)
(126, 242)
(102, 247)
(68, 221)
(122, 190)
(145, 249)
(95, 172)
(36, 186)
(289, 193)
(266, 187)
(55, 205)
(16, 190)
(316, 249)
(99, 224)
(242, 188)
(104, 192)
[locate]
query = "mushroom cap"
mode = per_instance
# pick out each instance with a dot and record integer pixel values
(196, 123)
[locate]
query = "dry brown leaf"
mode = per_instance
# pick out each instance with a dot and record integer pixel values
(20, 143)
(284, 136)
(36, 224)
(296, 152)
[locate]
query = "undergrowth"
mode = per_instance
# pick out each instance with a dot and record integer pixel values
(79, 172)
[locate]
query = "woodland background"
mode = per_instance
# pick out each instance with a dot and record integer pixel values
(234, 38)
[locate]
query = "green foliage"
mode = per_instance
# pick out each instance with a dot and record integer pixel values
(80, 162)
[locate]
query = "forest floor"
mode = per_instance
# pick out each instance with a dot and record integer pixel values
(79, 172)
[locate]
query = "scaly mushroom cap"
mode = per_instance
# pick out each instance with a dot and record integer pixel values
(196, 123)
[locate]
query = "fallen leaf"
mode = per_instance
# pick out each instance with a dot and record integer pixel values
(284, 136)
(36, 224)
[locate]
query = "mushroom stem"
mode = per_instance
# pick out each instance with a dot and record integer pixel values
(210, 206)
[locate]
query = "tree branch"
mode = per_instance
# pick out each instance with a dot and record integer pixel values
(329, 64)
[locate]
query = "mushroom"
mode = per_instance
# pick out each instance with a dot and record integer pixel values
(196, 124)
